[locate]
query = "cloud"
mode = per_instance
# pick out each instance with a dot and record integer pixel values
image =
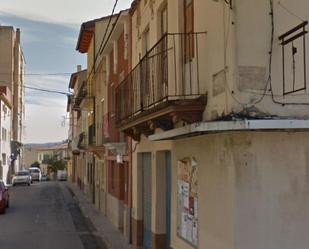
(47, 126)
(69, 11)
(49, 48)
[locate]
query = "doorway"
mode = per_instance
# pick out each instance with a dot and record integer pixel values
(168, 179)
(147, 202)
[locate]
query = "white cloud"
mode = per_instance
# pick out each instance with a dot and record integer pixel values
(59, 11)
(47, 120)
(44, 111)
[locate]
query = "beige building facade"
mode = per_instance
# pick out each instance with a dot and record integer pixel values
(220, 123)
(214, 96)
(30, 156)
(12, 70)
(77, 118)
(58, 152)
(107, 162)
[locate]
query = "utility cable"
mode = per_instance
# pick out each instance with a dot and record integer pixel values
(45, 90)
(290, 12)
(108, 24)
(102, 42)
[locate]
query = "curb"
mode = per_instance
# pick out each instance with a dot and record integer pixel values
(109, 234)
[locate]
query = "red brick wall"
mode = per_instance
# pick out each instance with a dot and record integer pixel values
(118, 175)
(116, 179)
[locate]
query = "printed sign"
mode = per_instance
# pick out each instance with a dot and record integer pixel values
(187, 200)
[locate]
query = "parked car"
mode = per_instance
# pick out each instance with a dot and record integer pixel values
(22, 177)
(4, 197)
(62, 175)
(44, 177)
(36, 174)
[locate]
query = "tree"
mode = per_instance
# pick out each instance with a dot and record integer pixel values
(35, 165)
(55, 164)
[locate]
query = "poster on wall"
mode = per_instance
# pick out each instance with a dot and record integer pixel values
(187, 200)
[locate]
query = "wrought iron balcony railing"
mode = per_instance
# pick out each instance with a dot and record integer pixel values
(82, 93)
(169, 72)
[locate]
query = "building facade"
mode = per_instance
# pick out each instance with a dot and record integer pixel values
(107, 161)
(210, 98)
(30, 155)
(198, 119)
(58, 152)
(5, 128)
(12, 70)
(77, 118)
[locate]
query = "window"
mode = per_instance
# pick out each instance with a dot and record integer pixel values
(189, 29)
(113, 176)
(2, 187)
(113, 97)
(162, 91)
(145, 67)
(4, 134)
(45, 158)
(5, 109)
(145, 41)
(294, 70)
(164, 22)
(3, 159)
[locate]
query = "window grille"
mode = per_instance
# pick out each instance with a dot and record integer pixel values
(294, 71)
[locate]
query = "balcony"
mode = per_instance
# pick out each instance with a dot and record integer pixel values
(165, 87)
(74, 146)
(82, 141)
(82, 93)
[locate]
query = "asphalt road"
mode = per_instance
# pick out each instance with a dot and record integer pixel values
(46, 216)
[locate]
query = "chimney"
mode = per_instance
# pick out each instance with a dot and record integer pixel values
(18, 35)
(79, 68)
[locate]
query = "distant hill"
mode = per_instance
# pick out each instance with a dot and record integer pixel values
(43, 145)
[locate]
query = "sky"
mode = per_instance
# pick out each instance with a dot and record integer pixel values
(49, 32)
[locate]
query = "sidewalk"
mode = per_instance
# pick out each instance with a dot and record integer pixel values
(111, 236)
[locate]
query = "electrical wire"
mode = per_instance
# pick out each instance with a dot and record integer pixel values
(229, 2)
(226, 38)
(40, 74)
(225, 67)
(45, 74)
(42, 89)
(45, 90)
(108, 24)
(102, 42)
(290, 12)
(102, 47)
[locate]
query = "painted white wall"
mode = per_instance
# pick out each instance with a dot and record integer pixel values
(5, 145)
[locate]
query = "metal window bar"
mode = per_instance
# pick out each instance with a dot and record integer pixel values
(289, 38)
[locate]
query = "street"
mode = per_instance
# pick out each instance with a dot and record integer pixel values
(44, 216)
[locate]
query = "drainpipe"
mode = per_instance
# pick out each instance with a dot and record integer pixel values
(94, 123)
(130, 139)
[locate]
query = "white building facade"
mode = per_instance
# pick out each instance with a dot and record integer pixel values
(5, 139)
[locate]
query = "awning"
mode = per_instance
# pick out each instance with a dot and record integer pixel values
(226, 126)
